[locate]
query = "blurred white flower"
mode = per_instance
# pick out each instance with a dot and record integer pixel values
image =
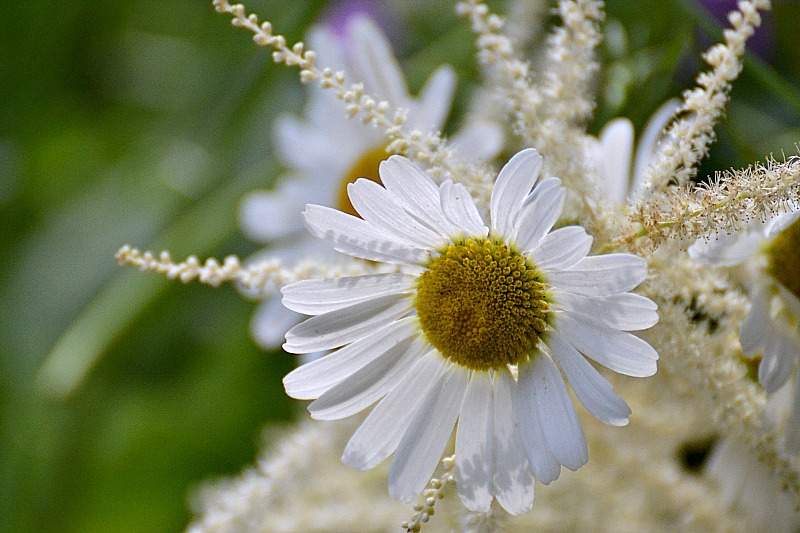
(325, 151)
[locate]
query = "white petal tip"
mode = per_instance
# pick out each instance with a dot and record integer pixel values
(290, 348)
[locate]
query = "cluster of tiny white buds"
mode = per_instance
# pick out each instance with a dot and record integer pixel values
(263, 277)
(296, 56)
(423, 511)
(210, 273)
(495, 51)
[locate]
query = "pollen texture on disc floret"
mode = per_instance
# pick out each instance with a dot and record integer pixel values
(482, 304)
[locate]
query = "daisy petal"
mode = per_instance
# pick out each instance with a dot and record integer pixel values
(311, 380)
(778, 359)
(541, 459)
(460, 209)
(435, 98)
(779, 223)
(616, 140)
(513, 479)
(726, 250)
(539, 213)
(266, 216)
(480, 141)
(369, 383)
(331, 51)
(378, 436)
(302, 145)
(594, 391)
(375, 63)
(648, 143)
(318, 296)
(354, 236)
(617, 350)
(513, 184)
(626, 311)
(601, 275)
(421, 447)
(417, 192)
(377, 206)
(756, 328)
(337, 328)
(474, 465)
(560, 425)
(562, 249)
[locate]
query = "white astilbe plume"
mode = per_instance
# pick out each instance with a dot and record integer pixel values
(690, 136)
(299, 485)
(724, 205)
(550, 111)
(525, 21)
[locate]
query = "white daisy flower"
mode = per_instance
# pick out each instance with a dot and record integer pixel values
(325, 151)
(473, 327)
(772, 327)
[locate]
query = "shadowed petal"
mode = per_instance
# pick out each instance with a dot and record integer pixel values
(318, 296)
(368, 384)
(337, 328)
(539, 213)
(620, 351)
(474, 441)
(460, 209)
(513, 478)
(562, 430)
(601, 275)
(311, 380)
(543, 463)
(379, 435)
(593, 390)
(354, 236)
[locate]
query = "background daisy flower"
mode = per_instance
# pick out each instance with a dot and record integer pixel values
(747, 482)
(772, 327)
(325, 151)
(472, 327)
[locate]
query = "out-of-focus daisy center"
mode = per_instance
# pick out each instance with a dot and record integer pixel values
(784, 258)
(365, 167)
(482, 305)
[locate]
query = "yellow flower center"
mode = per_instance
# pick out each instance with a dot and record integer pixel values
(784, 258)
(366, 167)
(482, 304)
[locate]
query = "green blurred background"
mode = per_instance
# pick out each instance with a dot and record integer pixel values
(144, 123)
